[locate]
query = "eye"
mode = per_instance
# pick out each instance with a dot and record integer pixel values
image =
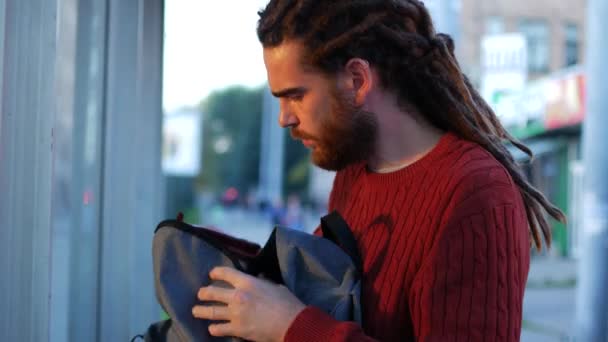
(296, 97)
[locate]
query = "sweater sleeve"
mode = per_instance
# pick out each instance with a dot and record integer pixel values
(472, 284)
(312, 324)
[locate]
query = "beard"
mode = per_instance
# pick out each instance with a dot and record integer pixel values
(348, 135)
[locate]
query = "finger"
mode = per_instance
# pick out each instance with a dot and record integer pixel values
(223, 329)
(230, 275)
(211, 312)
(214, 293)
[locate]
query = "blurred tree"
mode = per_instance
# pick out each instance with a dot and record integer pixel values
(231, 144)
(297, 166)
(231, 139)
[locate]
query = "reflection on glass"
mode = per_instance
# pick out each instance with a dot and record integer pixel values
(77, 177)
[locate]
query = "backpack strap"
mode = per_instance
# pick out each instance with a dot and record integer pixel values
(336, 229)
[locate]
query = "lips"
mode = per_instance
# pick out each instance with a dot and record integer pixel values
(308, 143)
(306, 139)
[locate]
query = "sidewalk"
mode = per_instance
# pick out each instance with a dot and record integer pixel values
(551, 272)
(549, 301)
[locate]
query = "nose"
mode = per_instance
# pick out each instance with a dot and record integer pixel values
(287, 118)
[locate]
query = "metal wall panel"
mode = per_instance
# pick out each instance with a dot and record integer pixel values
(132, 182)
(26, 149)
(63, 202)
(149, 186)
(76, 238)
(80, 179)
(2, 39)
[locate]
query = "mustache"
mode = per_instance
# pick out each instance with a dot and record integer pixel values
(296, 134)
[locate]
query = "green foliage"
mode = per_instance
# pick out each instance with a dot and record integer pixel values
(232, 124)
(192, 215)
(231, 138)
(297, 165)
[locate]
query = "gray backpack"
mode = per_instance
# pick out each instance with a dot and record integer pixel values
(324, 272)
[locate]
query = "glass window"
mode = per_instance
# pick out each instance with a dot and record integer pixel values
(77, 171)
(571, 35)
(495, 25)
(537, 36)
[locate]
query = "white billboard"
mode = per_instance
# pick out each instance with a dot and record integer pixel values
(504, 64)
(182, 140)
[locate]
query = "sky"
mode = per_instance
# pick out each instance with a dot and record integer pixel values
(209, 45)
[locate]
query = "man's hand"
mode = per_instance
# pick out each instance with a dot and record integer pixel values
(255, 310)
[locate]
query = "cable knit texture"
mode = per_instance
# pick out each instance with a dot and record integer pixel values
(445, 247)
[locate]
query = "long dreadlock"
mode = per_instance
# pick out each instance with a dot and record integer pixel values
(397, 37)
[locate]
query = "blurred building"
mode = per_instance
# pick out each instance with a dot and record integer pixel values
(526, 57)
(554, 30)
(548, 115)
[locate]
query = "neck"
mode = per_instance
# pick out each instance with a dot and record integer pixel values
(403, 139)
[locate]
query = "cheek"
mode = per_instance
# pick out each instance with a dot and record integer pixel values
(319, 113)
(310, 117)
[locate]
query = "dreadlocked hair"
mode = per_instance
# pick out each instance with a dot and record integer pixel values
(397, 37)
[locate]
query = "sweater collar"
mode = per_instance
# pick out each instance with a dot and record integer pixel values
(415, 169)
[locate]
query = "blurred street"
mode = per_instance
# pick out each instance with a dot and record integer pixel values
(253, 226)
(548, 314)
(549, 300)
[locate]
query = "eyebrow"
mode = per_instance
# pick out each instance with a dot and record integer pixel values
(289, 92)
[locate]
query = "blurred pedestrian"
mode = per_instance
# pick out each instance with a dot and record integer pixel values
(294, 216)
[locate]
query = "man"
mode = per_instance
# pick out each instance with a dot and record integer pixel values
(443, 217)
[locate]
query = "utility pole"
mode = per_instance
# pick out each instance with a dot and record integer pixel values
(272, 153)
(592, 293)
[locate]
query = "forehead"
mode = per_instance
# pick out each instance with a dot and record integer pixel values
(284, 67)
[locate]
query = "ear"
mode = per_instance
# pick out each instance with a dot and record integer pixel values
(359, 80)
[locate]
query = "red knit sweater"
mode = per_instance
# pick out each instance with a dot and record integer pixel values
(445, 248)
